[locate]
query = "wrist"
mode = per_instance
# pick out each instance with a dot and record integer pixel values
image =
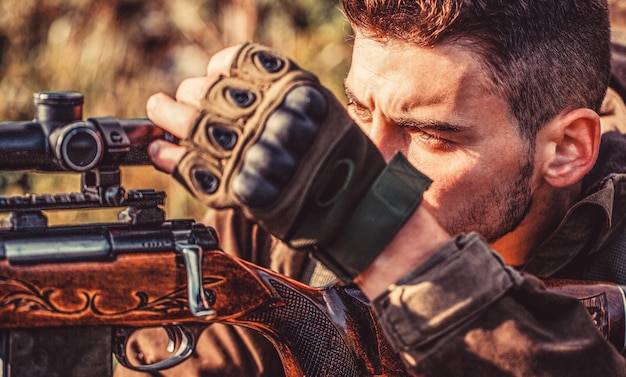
(417, 240)
(378, 216)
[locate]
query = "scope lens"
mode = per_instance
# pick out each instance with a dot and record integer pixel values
(80, 147)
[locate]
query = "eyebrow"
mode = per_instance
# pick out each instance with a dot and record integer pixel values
(434, 125)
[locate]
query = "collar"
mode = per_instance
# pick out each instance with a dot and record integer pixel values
(587, 227)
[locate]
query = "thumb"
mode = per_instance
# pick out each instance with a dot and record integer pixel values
(165, 155)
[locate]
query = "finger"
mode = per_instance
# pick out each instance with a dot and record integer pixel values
(221, 62)
(164, 155)
(191, 91)
(174, 117)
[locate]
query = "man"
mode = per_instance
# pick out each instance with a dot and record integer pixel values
(496, 102)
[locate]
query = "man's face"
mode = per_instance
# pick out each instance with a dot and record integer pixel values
(433, 106)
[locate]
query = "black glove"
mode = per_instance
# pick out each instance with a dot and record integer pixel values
(274, 143)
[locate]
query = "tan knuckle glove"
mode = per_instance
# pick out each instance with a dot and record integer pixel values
(272, 142)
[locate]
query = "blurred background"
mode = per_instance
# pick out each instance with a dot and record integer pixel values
(119, 52)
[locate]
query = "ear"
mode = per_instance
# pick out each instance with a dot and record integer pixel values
(575, 138)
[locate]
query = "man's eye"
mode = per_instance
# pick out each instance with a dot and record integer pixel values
(428, 134)
(358, 112)
(431, 140)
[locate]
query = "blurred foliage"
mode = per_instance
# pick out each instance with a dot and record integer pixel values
(119, 52)
(618, 20)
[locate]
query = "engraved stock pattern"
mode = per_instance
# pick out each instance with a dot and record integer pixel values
(25, 297)
(604, 302)
(85, 294)
(597, 308)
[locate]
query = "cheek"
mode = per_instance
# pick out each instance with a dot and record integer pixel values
(444, 168)
(459, 185)
(458, 179)
(450, 194)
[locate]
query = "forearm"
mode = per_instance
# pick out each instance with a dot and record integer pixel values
(417, 240)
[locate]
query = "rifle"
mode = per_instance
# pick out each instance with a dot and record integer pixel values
(69, 276)
(79, 275)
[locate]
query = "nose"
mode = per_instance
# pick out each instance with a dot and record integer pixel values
(385, 136)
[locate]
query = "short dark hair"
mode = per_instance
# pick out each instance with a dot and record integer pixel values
(543, 56)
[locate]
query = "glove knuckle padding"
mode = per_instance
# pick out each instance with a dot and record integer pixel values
(264, 133)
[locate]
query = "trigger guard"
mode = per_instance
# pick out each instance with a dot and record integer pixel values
(174, 333)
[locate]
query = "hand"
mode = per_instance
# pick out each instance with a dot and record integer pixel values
(177, 116)
(268, 139)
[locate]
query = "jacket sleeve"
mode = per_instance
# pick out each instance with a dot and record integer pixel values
(463, 312)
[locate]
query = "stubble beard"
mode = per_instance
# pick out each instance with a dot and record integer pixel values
(499, 212)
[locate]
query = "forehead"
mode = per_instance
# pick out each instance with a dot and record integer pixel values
(401, 76)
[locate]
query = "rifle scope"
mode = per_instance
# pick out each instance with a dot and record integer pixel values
(58, 139)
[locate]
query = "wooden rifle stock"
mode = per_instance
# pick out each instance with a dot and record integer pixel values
(605, 303)
(314, 330)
